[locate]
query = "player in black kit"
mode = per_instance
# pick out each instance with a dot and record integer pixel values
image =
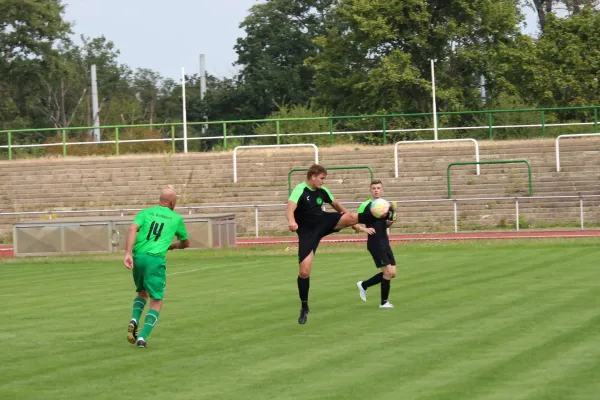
(378, 245)
(305, 216)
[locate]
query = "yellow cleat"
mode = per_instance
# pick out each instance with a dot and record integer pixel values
(132, 331)
(393, 213)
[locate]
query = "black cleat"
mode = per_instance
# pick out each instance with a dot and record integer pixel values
(132, 331)
(141, 343)
(303, 316)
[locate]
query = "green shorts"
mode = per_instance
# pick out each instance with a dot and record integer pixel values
(150, 274)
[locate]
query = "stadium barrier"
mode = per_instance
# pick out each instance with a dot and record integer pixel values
(48, 237)
(256, 207)
(490, 162)
(568, 136)
(226, 125)
(432, 142)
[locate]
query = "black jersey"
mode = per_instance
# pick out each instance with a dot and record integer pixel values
(380, 237)
(309, 203)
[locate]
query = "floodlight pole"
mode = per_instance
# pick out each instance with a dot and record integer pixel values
(435, 128)
(185, 144)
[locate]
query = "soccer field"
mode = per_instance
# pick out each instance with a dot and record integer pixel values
(474, 320)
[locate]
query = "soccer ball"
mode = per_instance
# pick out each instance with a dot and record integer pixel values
(379, 207)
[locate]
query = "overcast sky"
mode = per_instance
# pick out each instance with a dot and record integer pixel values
(165, 35)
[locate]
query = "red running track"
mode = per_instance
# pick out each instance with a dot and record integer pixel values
(7, 250)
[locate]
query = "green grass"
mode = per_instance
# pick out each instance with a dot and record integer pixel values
(473, 320)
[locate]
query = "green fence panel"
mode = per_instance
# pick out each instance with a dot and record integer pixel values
(491, 116)
(489, 162)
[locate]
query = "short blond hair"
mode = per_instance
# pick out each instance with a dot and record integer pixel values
(315, 169)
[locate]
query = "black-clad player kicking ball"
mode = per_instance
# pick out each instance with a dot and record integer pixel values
(305, 216)
(378, 245)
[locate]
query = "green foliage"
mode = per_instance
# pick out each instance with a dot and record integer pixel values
(291, 127)
(299, 58)
(110, 149)
(279, 37)
(568, 66)
(376, 54)
(523, 223)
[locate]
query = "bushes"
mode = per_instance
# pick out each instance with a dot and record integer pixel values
(110, 148)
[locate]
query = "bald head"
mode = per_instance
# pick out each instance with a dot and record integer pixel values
(168, 198)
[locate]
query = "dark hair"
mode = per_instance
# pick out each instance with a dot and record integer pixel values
(315, 169)
(376, 182)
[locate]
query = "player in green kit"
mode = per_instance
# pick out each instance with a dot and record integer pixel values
(149, 238)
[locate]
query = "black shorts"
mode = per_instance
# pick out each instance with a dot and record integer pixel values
(383, 256)
(309, 237)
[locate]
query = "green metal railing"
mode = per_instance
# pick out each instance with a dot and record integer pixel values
(490, 162)
(328, 169)
(383, 129)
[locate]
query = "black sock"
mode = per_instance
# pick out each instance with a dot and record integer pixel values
(385, 291)
(372, 281)
(303, 286)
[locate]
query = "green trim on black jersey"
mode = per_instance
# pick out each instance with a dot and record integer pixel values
(328, 193)
(298, 190)
(364, 205)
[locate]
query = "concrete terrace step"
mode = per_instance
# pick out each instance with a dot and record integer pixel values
(207, 178)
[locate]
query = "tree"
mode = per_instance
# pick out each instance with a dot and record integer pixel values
(541, 7)
(147, 85)
(569, 60)
(545, 7)
(376, 53)
(279, 37)
(66, 94)
(28, 31)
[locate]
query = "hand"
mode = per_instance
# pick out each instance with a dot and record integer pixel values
(293, 226)
(128, 261)
(370, 231)
(356, 228)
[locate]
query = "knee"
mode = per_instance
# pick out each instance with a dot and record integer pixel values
(352, 218)
(304, 271)
(389, 273)
(143, 294)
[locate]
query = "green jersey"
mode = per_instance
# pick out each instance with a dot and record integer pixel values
(158, 226)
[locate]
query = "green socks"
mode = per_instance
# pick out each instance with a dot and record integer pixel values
(138, 307)
(149, 323)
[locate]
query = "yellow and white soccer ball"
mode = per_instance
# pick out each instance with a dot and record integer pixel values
(379, 207)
